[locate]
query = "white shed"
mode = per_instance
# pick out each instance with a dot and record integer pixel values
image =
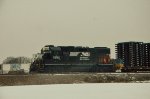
(15, 67)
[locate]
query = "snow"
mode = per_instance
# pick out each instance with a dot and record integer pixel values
(78, 91)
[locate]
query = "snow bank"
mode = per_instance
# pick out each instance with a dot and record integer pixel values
(78, 91)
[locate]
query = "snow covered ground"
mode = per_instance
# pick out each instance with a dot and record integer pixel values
(78, 91)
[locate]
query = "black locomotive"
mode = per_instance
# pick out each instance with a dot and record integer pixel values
(61, 59)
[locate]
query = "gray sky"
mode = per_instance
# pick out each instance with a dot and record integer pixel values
(27, 25)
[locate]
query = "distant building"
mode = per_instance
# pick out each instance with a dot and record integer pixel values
(6, 68)
(134, 54)
(146, 54)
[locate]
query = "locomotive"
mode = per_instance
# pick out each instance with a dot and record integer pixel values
(60, 59)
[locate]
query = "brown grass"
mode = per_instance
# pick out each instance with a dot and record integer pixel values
(38, 79)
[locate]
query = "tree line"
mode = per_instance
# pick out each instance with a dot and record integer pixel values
(17, 60)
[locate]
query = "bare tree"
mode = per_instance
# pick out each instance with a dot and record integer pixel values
(17, 60)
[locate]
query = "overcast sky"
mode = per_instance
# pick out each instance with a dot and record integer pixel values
(27, 25)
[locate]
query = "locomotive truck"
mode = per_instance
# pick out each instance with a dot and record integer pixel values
(60, 59)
